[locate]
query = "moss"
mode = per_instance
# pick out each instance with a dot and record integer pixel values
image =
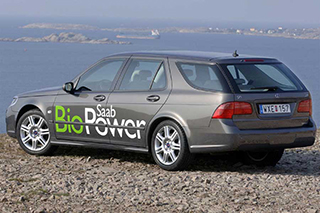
(44, 191)
(23, 181)
(61, 194)
(79, 171)
(35, 192)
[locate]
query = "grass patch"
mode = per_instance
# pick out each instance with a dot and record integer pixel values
(23, 181)
(61, 194)
(79, 171)
(44, 191)
(35, 192)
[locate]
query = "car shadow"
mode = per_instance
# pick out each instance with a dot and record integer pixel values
(104, 154)
(302, 162)
(293, 162)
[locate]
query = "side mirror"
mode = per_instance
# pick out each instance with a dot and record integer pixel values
(68, 87)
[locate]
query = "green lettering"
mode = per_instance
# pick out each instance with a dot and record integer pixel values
(61, 118)
(68, 119)
(81, 127)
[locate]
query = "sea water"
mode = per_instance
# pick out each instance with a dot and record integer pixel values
(30, 66)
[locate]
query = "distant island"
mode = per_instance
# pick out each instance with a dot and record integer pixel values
(305, 33)
(65, 37)
(60, 26)
(298, 33)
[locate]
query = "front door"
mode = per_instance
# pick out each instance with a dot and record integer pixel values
(83, 115)
(143, 89)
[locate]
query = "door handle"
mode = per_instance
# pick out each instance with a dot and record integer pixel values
(153, 98)
(99, 98)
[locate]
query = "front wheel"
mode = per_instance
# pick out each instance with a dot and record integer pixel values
(33, 133)
(169, 146)
(263, 158)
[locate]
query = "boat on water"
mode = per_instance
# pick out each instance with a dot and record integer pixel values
(154, 35)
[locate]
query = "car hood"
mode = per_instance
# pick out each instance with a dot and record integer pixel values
(42, 92)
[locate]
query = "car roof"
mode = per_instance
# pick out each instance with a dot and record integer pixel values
(197, 55)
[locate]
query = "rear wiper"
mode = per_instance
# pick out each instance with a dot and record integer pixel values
(265, 88)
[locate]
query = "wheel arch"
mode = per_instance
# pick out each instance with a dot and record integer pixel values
(25, 109)
(158, 119)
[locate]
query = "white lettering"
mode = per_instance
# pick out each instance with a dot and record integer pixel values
(139, 124)
(86, 118)
(99, 110)
(113, 112)
(115, 123)
(103, 116)
(105, 132)
(134, 135)
(106, 113)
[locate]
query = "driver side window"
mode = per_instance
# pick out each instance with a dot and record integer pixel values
(101, 76)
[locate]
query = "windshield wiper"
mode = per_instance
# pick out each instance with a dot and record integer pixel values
(265, 88)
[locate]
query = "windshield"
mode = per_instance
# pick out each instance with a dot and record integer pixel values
(263, 77)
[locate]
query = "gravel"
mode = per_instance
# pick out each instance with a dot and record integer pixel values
(93, 180)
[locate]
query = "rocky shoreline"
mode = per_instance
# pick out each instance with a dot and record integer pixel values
(297, 33)
(93, 180)
(65, 37)
(59, 26)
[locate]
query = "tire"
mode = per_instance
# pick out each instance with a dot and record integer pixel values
(169, 146)
(267, 158)
(33, 134)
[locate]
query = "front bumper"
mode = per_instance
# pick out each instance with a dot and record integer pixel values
(11, 122)
(234, 139)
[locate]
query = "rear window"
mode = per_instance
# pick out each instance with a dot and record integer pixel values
(203, 76)
(263, 77)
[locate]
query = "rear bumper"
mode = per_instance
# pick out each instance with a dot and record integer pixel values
(234, 139)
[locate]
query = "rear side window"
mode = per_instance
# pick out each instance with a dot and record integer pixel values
(263, 77)
(203, 76)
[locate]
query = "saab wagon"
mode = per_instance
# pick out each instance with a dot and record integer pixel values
(171, 104)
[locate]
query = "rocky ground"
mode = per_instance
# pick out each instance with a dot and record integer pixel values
(91, 180)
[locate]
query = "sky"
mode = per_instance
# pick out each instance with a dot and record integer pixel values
(264, 11)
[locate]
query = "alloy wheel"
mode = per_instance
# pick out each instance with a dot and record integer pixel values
(34, 133)
(167, 145)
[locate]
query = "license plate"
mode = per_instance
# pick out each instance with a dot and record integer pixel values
(274, 108)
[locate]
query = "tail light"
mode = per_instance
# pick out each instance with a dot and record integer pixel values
(253, 60)
(227, 110)
(305, 106)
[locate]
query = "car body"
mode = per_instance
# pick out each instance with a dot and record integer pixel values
(217, 102)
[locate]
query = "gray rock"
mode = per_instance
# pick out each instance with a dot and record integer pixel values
(22, 199)
(65, 37)
(66, 183)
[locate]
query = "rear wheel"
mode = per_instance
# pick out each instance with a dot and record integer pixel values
(262, 158)
(169, 146)
(33, 134)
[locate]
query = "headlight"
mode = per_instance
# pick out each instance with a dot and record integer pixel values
(14, 101)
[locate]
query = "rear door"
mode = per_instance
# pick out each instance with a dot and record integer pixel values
(143, 89)
(274, 93)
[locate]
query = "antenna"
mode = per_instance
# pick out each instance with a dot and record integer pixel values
(235, 54)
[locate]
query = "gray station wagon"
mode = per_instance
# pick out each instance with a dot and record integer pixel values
(171, 104)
